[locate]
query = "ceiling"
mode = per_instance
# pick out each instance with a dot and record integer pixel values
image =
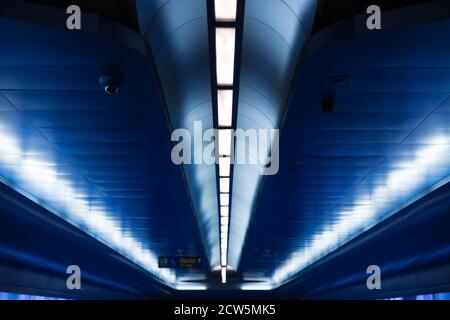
(364, 119)
(86, 155)
(384, 145)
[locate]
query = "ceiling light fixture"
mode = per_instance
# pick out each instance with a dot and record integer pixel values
(225, 211)
(225, 139)
(224, 185)
(225, 52)
(224, 199)
(225, 26)
(224, 166)
(225, 107)
(225, 10)
(224, 274)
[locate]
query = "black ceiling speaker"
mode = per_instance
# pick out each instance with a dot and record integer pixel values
(327, 101)
(328, 89)
(337, 80)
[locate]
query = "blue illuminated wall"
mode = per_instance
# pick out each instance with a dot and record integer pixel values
(16, 296)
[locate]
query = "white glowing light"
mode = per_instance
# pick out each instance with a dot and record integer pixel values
(224, 185)
(225, 107)
(225, 10)
(224, 199)
(223, 228)
(224, 211)
(38, 179)
(401, 187)
(225, 139)
(224, 166)
(256, 286)
(224, 274)
(191, 286)
(224, 220)
(225, 51)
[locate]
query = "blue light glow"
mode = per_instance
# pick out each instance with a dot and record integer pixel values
(17, 296)
(37, 178)
(263, 286)
(191, 286)
(407, 182)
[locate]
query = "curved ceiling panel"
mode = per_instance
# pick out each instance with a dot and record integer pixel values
(270, 51)
(87, 156)
(384, 146)
(177, 31)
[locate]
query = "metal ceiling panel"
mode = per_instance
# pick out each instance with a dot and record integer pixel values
(270, 51)
(384, 146)
(100, 162)
(177, 33)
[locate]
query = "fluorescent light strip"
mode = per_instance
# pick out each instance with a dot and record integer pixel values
(225, 10)
(225, 211)
(403, 185)
(256, 286)
(224, 275)
(225, 52)
(191, 286)
(36, 178)
(224, 185)
(225, 139)
(224, 199)
(223, 228)
(224, 166)
(225, 107)
(224, 220)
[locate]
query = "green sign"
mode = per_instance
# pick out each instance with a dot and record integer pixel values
(180, 262)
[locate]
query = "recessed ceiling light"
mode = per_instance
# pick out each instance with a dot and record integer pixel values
(225, 51)
(225, 107)
(225, 10)
(225, 140)
(224, 220)
(224, 274)
(224, 199)
(224, 185)
(224, 211)
(224, 166)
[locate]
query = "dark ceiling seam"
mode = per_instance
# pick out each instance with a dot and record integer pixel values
(295, 14)
(185, 77)
(262, 75)
(276, 32)
(177, 29)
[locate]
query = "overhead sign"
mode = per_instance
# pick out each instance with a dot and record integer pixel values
(180, 262)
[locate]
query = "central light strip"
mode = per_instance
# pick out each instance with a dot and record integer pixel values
(224, 84)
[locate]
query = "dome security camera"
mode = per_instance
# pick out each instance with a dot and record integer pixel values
(111, 83)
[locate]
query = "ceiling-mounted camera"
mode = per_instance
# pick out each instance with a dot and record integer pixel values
(111, 83)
